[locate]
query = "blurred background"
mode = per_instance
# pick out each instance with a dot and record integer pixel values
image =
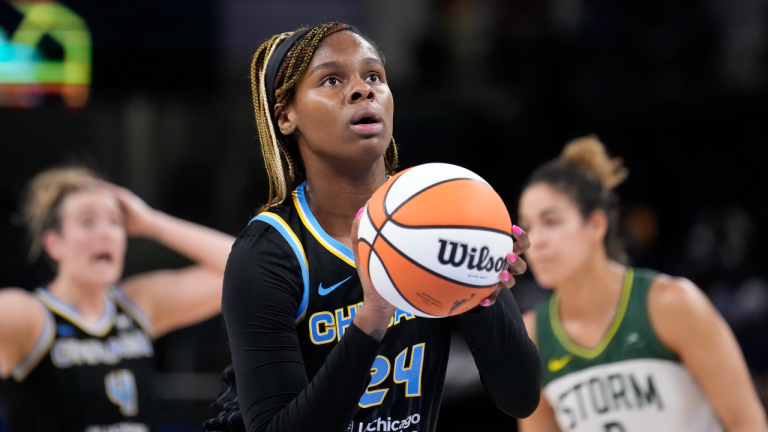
(156, 96)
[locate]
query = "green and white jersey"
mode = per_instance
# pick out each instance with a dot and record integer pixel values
(630, 382)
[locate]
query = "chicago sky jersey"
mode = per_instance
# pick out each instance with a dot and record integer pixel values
(77, 377)
(630, 382)
(407, 377)
(291, 293)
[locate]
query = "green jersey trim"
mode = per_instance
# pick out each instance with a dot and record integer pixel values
(572, 347)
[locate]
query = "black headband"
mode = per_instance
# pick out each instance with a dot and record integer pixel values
(274, 65)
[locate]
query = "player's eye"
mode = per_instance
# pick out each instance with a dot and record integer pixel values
(331, 81)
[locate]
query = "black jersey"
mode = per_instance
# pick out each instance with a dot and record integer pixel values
(85, 378)
(290, 294)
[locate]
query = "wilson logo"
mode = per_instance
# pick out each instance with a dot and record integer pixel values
(461, 254)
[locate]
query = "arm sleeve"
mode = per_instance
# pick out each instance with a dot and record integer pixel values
(506, 357)
(263, 289)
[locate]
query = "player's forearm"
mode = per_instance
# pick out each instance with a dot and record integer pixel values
(505, 356)
(205, 246)
(328, 402)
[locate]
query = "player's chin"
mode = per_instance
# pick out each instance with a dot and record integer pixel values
(376, 143)
(364, 150)
(545, 279)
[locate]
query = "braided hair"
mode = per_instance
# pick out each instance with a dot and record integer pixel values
(282, 159)
(586, 174)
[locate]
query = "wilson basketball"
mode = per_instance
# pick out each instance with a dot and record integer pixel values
(434, 239)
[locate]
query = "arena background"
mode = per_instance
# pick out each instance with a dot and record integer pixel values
(676, 87)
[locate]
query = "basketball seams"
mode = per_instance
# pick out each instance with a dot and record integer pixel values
(466, 227)
(418, 192)
(391, 280)
(373, 223)
(430, 271)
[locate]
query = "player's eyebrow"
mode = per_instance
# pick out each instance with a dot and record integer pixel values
(327, 65)
(337, 64)
(373, 60)
(549, 211)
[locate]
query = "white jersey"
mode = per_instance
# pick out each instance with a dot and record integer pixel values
(631, 396)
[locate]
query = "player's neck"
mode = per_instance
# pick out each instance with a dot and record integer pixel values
(335, 197)
(87, 300)
(593, 292)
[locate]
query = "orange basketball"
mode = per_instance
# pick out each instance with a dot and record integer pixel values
(434, 240)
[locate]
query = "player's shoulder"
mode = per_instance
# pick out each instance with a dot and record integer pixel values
(676, 308)
(270, 220)
(670, 293)
(14, 299)
(269, 232)
(19, 310)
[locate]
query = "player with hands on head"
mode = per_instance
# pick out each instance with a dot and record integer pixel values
(623, 349)
(79, 350)
(314, 346)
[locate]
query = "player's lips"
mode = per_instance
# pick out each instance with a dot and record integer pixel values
(366, 123)
(105, 257)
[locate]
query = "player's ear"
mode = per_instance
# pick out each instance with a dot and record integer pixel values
(598, 225)
(285, 117)
(52, 244)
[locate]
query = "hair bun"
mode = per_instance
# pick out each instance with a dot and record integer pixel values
(589, 153)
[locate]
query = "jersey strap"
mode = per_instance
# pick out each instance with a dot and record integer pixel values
(333, 245)
(282, 227)
(39, 350)
(129, 307)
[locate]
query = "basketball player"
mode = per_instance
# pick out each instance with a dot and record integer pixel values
(314, 346)
(77, 354)
(623, 349)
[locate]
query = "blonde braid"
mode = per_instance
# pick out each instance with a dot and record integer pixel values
(270, 149)
(390, 158)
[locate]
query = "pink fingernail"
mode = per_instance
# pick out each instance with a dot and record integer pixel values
(504, 276)
(485, 303)
(359, 212)
(512, 257)
(516, 230)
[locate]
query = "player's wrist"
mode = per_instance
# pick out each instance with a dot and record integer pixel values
(373, 321)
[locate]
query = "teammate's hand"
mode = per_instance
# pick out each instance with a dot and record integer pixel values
(517, 265)
(374, 316)
(139, 217)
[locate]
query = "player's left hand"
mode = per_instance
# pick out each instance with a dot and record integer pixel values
(139, 217)
(517, 265)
